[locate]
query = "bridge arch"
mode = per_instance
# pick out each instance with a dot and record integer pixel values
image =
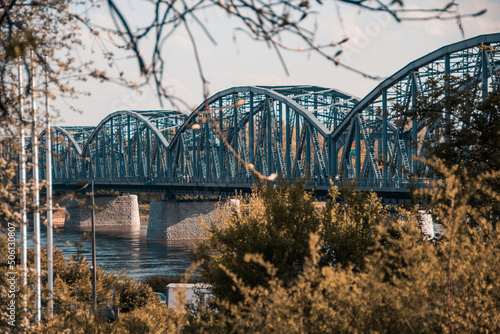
(372, 125)
(280, 130)
(294, 131)
(130, 145)
(66, 153)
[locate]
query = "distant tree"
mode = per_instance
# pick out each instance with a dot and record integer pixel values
(465, 126)
(152, 318)
(136, 303)
(465, 129)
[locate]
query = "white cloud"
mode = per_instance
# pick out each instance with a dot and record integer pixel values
(243, 78)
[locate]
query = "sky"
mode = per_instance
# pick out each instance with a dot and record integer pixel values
(377, 45)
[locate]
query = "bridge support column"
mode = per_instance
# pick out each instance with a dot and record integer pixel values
(180, 220)
(110, 211)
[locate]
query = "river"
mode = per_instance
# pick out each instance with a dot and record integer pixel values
(124, 250)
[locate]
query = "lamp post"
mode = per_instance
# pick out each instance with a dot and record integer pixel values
(48, 177)
(94, 264)
(24, 218)
(36, 201)
(94, 290)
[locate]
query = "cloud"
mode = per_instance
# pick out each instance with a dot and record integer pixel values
(180, 42)
(473, 26)
(251, 78)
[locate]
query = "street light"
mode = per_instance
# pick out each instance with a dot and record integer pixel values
(94, 290)
(48, 177)
(94, 272)
(36, 202)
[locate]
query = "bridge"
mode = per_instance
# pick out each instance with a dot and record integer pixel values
(309, 132)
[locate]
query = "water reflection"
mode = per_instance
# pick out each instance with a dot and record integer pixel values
(125, 249)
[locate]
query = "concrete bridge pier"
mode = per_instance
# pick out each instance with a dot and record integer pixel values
(181, 220)
(178, 220)
(110, 211)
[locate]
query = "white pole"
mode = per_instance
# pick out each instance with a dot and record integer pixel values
(36, 215)
(24, 220)
(48, 174)
(94, 267)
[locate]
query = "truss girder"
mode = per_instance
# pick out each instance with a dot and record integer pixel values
(383, 124)
(66, 153)
(130, 145)
(292, 131)
(278, 130)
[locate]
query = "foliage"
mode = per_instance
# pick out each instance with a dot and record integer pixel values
(46, 32)
(158, 283)
(465, 131)
(138, 309)
(73, 286)
(153, 317)
(133, 295)
(347, 226)
(264, 224)
(276, 223)
(75, 320)
(404, 284)
(73, 297)
(471, 125)
(408, 285)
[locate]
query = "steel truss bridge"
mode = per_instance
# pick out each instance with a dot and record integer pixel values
(306, 132)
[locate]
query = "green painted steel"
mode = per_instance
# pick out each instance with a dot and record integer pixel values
(294, 131)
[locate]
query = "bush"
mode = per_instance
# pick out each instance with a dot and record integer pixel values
(159, 282)
(276, 222)
(408, 284)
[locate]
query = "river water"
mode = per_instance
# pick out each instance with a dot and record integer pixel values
(124, 250)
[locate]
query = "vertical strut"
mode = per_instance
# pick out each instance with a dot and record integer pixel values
(369, 147)
(319, 152)
(385, 138)
(288, 135)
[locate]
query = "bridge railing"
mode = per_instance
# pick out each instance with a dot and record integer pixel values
(392, 184)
